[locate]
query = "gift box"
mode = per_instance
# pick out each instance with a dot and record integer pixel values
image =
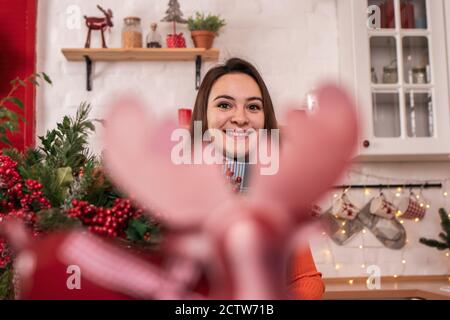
(175, 41)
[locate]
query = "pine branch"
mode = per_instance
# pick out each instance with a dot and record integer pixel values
(6, 289)
(445, 223)
(67, 146)
(54, 219)
(25, 161)
(93, 186)
(434, 243)
(14, 154)
(32, 157)
(443, 237)
(47, 175)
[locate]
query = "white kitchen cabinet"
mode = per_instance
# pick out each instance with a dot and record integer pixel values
(398, 72)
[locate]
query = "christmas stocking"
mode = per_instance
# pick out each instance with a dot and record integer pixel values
(390, 232)
(340, 230)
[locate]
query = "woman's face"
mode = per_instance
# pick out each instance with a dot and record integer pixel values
(235, 106)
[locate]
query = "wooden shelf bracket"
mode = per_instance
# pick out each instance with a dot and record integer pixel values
(198, 70)
(88, 73)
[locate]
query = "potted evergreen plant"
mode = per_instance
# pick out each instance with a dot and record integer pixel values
(204, 28)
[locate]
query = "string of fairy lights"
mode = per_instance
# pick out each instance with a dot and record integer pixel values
(395, 192)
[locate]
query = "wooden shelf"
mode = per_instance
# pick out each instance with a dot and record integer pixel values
(141, 54)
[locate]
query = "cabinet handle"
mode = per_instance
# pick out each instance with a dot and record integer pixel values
(366, 143)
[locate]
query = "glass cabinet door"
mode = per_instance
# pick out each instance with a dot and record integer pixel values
(419, 114)
(400, 71)
(383, 60)
(416, 60)
(394, 58)
(386, 115)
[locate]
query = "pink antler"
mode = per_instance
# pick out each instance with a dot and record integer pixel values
(138, 156)
(316, 149)
(241, 243)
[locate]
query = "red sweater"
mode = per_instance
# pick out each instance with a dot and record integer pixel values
(305, 282)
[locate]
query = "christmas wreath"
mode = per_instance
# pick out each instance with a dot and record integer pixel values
(61, 185)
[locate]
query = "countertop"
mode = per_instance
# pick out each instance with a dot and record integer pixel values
(408, 287)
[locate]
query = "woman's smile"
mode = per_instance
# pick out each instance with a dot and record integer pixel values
(237, 134)
(235, 107)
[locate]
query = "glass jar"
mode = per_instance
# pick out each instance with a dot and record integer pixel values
(132, 33)
(420, 75)
(390, 75)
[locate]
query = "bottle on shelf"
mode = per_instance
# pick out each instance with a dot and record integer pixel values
(373, 74)
(387, 11)
(154, 39)
(407, 14)
(390, 73)
(409, 68)
(419, 75)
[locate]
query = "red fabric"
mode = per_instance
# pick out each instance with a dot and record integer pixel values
(305, 283)
(388, 14)
(108, 271)
(18, 59)
(50, 278)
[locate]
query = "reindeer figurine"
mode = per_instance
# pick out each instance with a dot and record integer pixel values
(96, 23)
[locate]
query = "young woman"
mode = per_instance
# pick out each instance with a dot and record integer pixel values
(234, 99)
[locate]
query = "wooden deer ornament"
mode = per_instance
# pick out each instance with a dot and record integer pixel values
(99, 23)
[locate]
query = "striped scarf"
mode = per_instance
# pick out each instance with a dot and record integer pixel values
(239, 169)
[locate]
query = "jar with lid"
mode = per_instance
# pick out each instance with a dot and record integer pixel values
(390, 74)
(132, 33)
(420, 75)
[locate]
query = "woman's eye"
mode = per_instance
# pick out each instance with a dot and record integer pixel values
(223, 105)
(254, 107)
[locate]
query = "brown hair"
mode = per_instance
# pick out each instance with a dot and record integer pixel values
(233, 65)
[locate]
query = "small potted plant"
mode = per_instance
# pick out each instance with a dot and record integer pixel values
(204, 29)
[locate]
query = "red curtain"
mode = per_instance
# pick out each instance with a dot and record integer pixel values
(18, 59)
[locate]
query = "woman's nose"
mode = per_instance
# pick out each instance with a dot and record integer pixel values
(239, 117)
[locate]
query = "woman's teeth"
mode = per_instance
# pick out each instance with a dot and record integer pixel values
(236, 134)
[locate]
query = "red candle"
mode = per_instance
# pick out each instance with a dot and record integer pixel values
(184, 117)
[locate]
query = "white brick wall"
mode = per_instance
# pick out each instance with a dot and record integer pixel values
(293, 43)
